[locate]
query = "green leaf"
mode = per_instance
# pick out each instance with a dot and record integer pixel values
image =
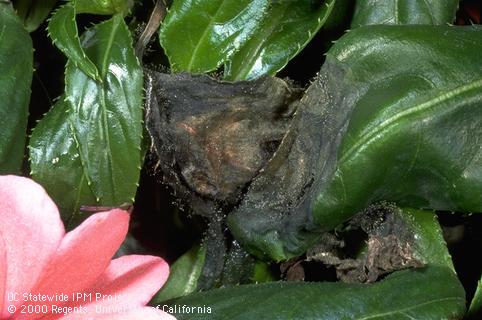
(16, 70)
(428, 293)
(33, 13)
(475, 308)
(106, 7)
(200, 35)
(282, 34)
(86, 150)
(184, 275)
(56, 165)
(430, 12)
(393, 115)
(415, 133)
(63, 31)
(106, 116)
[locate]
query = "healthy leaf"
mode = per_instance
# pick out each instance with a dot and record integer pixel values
(282, 34)
(63, 31)
(56, 165)
(427, 293)
(415, 133)
(430, 12)
(393, 115)
(106, 116)
(86, 150)
(16, 70)
(199, 35)
(103, 6)
(184, 275)
(33, 13)
(475, 308)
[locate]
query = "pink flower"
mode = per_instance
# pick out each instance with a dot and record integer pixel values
(72, 273)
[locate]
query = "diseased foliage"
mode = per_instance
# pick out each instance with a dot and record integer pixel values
(271, 169)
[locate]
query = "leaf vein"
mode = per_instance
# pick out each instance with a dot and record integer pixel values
(203, 36)
(419, 108)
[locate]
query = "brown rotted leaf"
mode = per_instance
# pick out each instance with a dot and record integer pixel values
(212, 138)
(389, 248)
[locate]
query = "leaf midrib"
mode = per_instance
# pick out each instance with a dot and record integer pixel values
(268, 32)
(417, 109)
(110, 42)
(103, 104)
(429, 11)
(396, 8)
(103, 107)
(203, 36)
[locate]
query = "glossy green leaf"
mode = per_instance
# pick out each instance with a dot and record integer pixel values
(16, 69)
(475, 308)
(103, 6)
(33, 12)
(393, 115)
(63, 31)
(430, 12)
(282, 34)
(200, 35)
(55, 164)
(414, 136)
(90, 145)
(428, 293)
(106, 116)
(183, 276)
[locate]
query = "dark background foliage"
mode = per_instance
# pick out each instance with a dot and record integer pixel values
(159, 223)
(156, 209)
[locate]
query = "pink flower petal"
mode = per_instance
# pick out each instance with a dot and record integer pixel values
(129, 283)
(135, 279)
(143, 313)
(3, 270)
(85, 253)
(31, 230)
